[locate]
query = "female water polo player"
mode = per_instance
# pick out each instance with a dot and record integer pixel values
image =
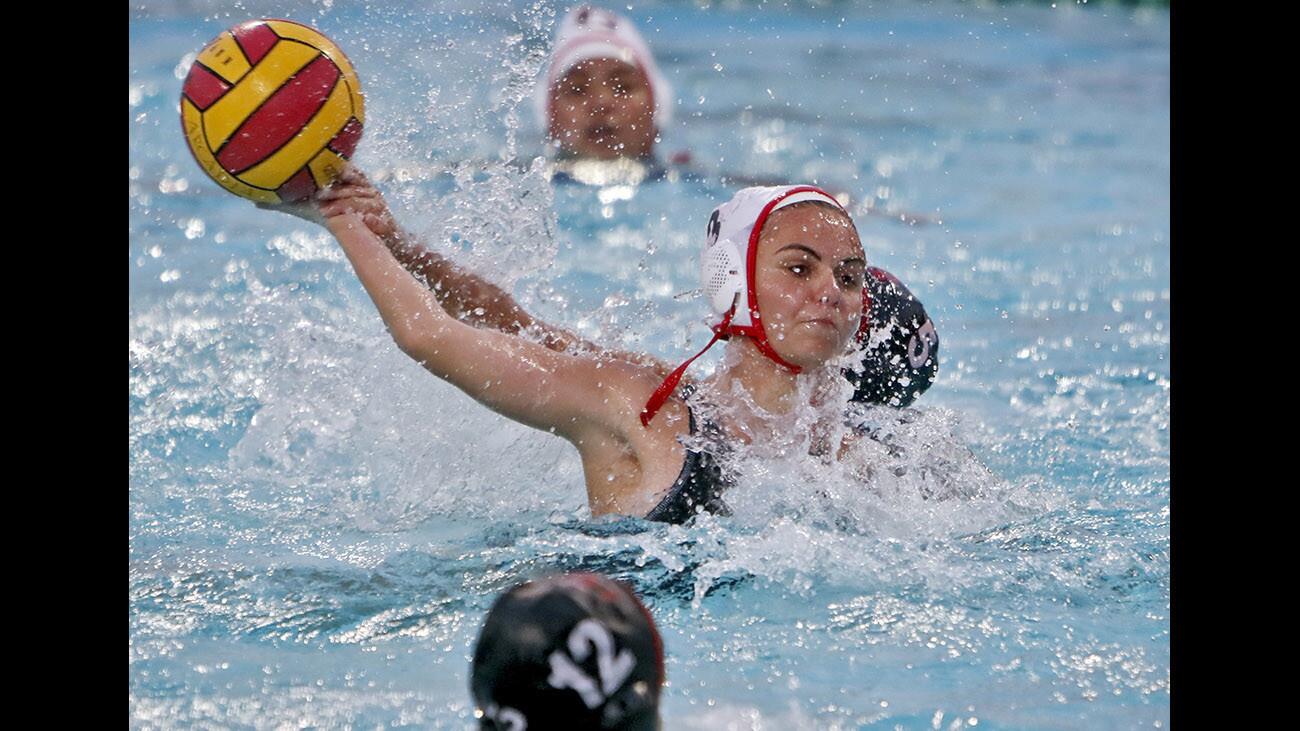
(575, 651)
(899, 361)
(603, 101)
(783, 271)
(602, 96)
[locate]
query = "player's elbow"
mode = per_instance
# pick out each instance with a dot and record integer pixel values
(413, 341)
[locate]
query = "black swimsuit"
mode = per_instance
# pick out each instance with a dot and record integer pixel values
(699, 486)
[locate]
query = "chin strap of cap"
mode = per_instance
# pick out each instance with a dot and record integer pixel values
(756, 333)
(665, 390)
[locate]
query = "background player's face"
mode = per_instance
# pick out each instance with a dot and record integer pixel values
(603, 108)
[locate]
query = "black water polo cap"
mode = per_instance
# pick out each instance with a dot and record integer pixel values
(573, 651)
(901, 358)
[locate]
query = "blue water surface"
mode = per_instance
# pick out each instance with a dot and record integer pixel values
(317, 526)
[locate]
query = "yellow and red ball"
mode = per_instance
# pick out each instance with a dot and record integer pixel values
(271, 110)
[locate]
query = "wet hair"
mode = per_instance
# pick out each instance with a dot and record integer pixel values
(573, 651)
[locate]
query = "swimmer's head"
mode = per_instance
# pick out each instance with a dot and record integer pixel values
(901, 351)
(602, 95)
(576, 651)
(807, 284)
(782, 266)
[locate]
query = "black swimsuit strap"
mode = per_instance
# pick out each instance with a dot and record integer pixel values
(700, 483)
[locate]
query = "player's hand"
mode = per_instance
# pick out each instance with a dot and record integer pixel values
(353, 193)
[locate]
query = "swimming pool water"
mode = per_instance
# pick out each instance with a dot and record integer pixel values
(317, 526)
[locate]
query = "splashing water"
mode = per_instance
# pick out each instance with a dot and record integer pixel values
(318, 526)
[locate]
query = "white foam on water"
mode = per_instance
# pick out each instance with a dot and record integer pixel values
(316, 510)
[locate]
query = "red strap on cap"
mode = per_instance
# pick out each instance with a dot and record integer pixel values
(665, 390)
(758, 336)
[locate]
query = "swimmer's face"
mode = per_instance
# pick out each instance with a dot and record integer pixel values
(602, 108)
(808, 274)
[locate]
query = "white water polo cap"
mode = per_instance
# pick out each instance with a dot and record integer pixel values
(727, 272)
(587, 33)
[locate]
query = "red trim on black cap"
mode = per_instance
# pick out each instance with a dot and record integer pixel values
(864, 325)
(654, 633)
